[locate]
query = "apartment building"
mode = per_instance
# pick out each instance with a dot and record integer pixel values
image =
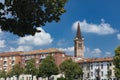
(9, 59)
(101, 68)
(39, 55)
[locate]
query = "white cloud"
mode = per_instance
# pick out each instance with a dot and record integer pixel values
(27, 43)
(21, 48)
(108, 54)
(96, 51)
(1, 33)
(39, 39)
(68, 50)
(2, 43)
(101, 29)
(62, 42)
(118, 36)
(93, 53)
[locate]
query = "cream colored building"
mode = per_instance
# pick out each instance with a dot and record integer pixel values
(104, 66)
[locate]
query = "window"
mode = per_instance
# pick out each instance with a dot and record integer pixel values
(13, 62)
(109, 72)
(110, 64)
(87, 75)
(91, 73)
(5, 62)
(91, 66)
(107, 66)
(101, 73)
(101, 66)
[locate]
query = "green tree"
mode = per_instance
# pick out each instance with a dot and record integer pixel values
(9, 74)
(30, 67)
(3, 74)
(109, 73)
(61, 78)
(116, 62)
(48, 67)
(70, 69)
(16, 70)
(24, 16)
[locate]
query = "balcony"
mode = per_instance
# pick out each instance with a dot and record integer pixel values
(4, 65)
(5, 59)
(28, 58)
(42, 57)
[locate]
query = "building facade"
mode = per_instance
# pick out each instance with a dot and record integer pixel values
(97, 68)
(39, 55)
(9, 59)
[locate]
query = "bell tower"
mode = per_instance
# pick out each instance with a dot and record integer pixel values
(78, 44)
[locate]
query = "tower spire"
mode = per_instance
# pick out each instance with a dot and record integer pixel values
(78, 34)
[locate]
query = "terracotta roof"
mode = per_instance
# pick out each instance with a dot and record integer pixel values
(4, 54)
(91, 60)
(50, 50)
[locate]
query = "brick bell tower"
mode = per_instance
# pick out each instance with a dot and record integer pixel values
(78, 44)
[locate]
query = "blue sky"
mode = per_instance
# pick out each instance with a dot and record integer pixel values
(99, 21)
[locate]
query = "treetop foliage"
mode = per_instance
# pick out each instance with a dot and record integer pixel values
(70, 69)
(116, 62)
(48, 67)
(22, 17)
(3, 74)
(30, 67)
(16, 70)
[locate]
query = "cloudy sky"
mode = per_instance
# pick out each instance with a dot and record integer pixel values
(99, 22)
